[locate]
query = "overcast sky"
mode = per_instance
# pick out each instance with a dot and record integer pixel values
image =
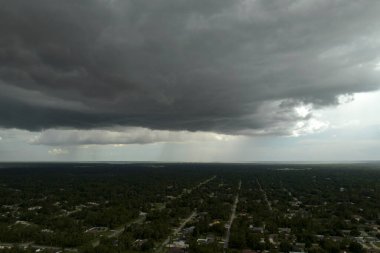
(198, 80)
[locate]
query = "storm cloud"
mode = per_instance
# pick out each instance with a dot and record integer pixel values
(122, 136)
(231, 67)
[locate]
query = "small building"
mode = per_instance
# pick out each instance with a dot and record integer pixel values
(189, 230)
(180, 244)
(284, 230)
(34, 208)
(256, 229)
(214, 222)
(201, 241)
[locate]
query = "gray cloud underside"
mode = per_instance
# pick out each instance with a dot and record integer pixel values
(135, 135)
(209, 65)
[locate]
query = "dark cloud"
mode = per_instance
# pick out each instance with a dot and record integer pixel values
(214, 65)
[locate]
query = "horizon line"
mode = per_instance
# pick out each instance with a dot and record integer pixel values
(209, 162)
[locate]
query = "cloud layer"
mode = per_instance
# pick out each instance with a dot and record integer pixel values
(55, 137)
(232, 67)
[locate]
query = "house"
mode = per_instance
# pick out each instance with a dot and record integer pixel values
(215, 222)
(320, 237)
(284, 230)
(21, 222)
(207, 240)
(47, 231)
(34, 208)
(256, 229)
(201, 241)
(189, 230)
(179, 244)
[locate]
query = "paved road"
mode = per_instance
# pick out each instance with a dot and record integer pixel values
(120, 230)
(196, 187)
(232, 217)
(141, 219)
(265, 195)
(176, 231)
(374, 246)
